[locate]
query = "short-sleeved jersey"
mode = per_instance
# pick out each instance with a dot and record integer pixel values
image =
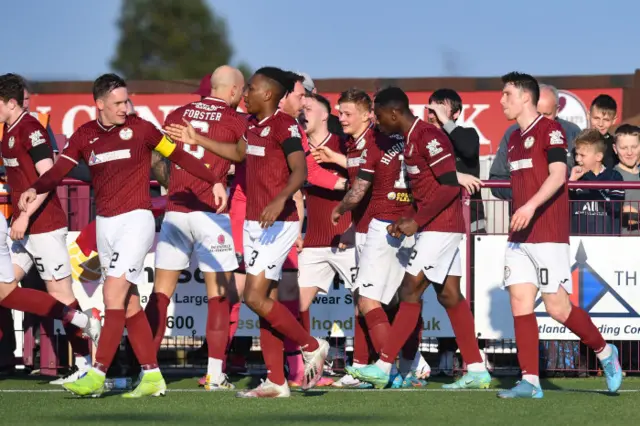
(321, 202)
(267, 170)
(527, 153)
(390, 194)
(428, 154)
(215, 119)
(19, 142)
(119, 158)
(357, 150)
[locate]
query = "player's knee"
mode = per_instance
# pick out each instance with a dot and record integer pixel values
(253, 299)
(410, 290)
(558, 309)
(449, 299)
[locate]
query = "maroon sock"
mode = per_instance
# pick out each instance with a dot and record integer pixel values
(234, 316)
(141, 340)
(156, 311)
(110, 338)
(360, 344)
(286, 324)
(580, 323)
(218, 327)
(79, 344)
(305, 320)
(272, 349)
(412, 345)
(294, 307)
(462, 323)
(527, 343)
(378, 326)
(38, 303)
(403, 326)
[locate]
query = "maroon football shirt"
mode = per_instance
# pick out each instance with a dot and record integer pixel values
(357, 148)
(428, 154)
(321, 202)
(24, 143)
(527, 153)
(215, 119)
(267, 170)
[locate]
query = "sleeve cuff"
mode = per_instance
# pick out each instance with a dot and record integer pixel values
(449, 126)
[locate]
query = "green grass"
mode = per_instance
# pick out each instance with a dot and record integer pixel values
(566, 401)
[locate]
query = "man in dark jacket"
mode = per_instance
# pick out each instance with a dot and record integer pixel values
(548, 106)
(445, 106)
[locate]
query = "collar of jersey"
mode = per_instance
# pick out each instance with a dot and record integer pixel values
(103, 127)
(20, 117)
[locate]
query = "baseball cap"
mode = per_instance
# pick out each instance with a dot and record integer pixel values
(205, 86)
(308, 84)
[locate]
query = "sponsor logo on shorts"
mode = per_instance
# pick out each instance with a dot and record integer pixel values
(507, 272)
(221, 245)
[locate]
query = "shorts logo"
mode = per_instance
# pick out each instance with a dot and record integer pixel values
(132, 270)
(58, 268)
(507, 272)
(126, 134)
(271, 266)
(12, 141)
(221, 245)
(528, 143)
(367, 285)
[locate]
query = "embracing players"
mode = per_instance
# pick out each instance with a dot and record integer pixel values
(438, 228)
(275, 170)
(194, 221)
(117, 147)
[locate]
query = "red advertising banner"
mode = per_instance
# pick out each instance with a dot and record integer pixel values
(481, 110)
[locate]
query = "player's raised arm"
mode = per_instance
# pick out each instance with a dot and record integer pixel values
(161, 168)
(167, 148)
(188, 135)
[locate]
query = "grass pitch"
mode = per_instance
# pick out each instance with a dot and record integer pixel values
(31, 401)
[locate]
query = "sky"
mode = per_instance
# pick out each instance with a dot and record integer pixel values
(75, 39)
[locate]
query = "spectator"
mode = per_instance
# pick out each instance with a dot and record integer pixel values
(547, 106)
(602, 115)
(627, 148)
(594, 211)
(444, 108)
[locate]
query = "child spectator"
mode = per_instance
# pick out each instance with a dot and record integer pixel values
(602, 115)
(627, 147)
(594, 211)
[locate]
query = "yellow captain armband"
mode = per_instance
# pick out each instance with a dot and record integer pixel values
(166, 146)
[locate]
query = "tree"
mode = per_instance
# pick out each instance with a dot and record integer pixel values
(170, 40)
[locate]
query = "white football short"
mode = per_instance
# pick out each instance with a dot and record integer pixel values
(382, 263)
(360, 239)
(123, 243)
(437, 254)
(206, 233)
(267, 249)
(47, 252)
(318, 267)
(6, 265)
(547, 265)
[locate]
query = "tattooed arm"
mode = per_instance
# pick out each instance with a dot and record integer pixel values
(351, 199)
(161, 168)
